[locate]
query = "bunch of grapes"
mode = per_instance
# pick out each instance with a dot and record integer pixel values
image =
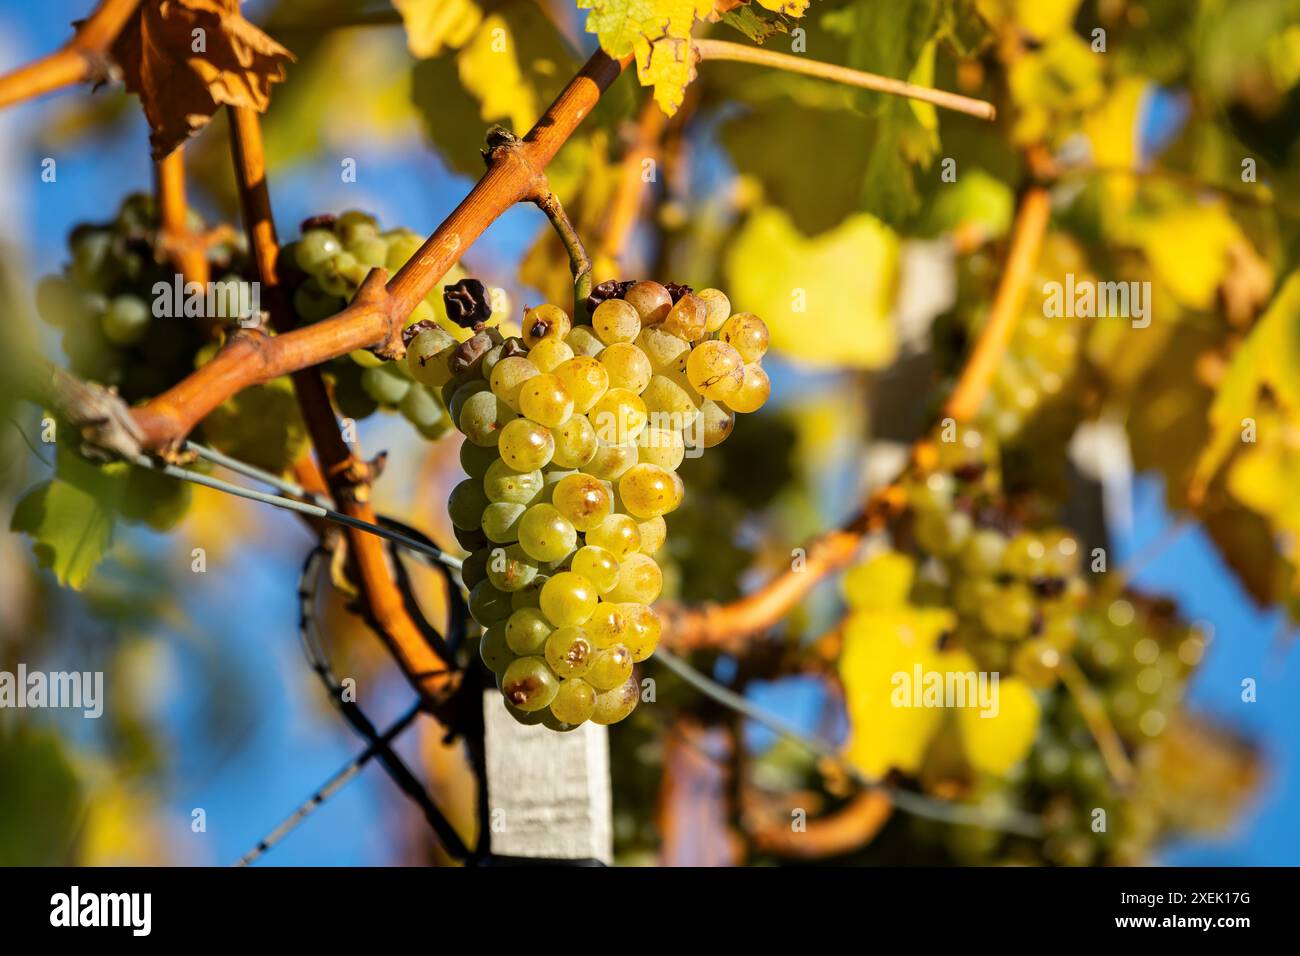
(574, 434)
(105, 301)
(325, 267)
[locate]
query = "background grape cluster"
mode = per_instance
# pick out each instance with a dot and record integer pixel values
(574, 434)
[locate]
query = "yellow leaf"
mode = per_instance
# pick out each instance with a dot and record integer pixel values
(1040, 20)
(994, 744)
(1188, 247)
(840, 283)
(432, 25)
(793, 8)
(667, 64)
(880, 583)
(658, 32)
(1113, 134)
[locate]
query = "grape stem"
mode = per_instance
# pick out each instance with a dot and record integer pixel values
(579, 261)
(707, 49)
(186, 250)
(84, 58)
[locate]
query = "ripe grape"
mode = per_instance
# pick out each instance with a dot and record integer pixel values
(586, 380)
(670, 404)
(545, 534)
(529, 684)
(609, 625)
(476, 459)
(615, 705)
(715, 370)
(315, 248)
(550, 354)
(575, 443)
(525, 445)
(574, 702)
(483, 418)
(569, 652)
(583, 500)
(545, 400)
(545, 322)
(526, 631)
(718, 307)
(615, 321)
(493, 650)
(754, 390)
(568, 599)
(466, 504)
(500, 521)
(654, 532)
(510, 568)
(598, 566)
(641, 631)
(488, 605)
(583, 341)
(687, 318)
(618, 416)
(474, 568)
(427, 356)
(648, 491)
(716, 423)
(503, 483)
(509, 376)
(611, 461)
(661, 446)
(618, 534)
(609, 667)
(627, 366)
(747, 334)
(662, 348)
(651, 301)
(639, 580)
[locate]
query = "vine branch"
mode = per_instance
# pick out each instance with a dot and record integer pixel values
(186, 250)
(83, 58)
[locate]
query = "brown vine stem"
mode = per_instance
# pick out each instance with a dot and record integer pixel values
(186, 250)
(842, 831)
(707, 49)
(82, 58)
(579, 261)
(374, 318)
(347, 477)
(728, 626)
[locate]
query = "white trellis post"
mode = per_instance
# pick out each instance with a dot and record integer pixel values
(548, 793)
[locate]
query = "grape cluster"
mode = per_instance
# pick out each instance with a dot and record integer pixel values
(106, 301)
(574, 434)
(325, 267)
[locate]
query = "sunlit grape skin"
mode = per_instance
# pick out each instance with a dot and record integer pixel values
(545, 534)
(574, 702)
(615, 705)
(529, 684)
(568, 599)
(649, 491)
(545, 400)
(583, 500)
(526, 445)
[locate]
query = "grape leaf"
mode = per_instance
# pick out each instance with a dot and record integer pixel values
(434, 24)
(1188, 247)
(186, 58)
(41, 803)
(996, 743)
(758, 27)
(840, 283)
(1043, 21)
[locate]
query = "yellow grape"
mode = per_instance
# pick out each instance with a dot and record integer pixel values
(627, 365)
(747, 334)
(609, 667)
(648, 491)
(660, 347)
(609, 625)
(545, 322)
(753, 391)
(545, 534)
(687, 318)
(715, 370)
(583, 500)
(598, 566)
(569, 652)
(546, 401)
(575, 443)
(615, 321)
(503, 483)
(583, 341)
(642, 630)
(525, 445)
(618, 416)
(669, 404)
(529, 684)
(718, 423)
(526, 631)
(550, 354)
(493, 651)
(718, 307)
(615, 705)
(639, 580)
(651, 301)
(574, 702)
(611, 461)
(586, 379)
(654, 532)
(661, 446)
(427, 355)
(483, 418)
(618, 534)
(568, 599)
(509, 376)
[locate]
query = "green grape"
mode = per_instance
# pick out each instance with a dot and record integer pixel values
(615, 705)
(476, 460)
(618, 534)
(493, 651)
(609, 667)
(575, 443)
(510, 568)
(501, 520)
(527, 630)
(385, 384)
(546, 401)
(372, 252)
(1011, 613)
(639, 580)
(609, 624)
(970, 595)
(627, 366)
(474, 568)
(466, 504)
(585, 379)
(717, 423)
(545, 534)
(574, 702)
(484, 419)
(545, 322)
(1037, 662)
(353, 225)
(618, 416)
(687, 318)
(754, 391)
(315, 248)
(1025, 557)
(487, 605)
(715, 370)
(615, 321)
(747, 334)
(661, 447)
(583, 500)
(93, 264)
(550, 354)
(427, 355)
(551, 477)
(509, 376)
(525, 445)
(611, 461)
(942, 533)
(312, 303)
(503, 483)
(421, 408)
(641, 632)
(126, 320)
(648, 491)
(530, 594)
(717, 306)
(569, 652)
(568, 599)
(651, 301)
(598, 566)
(529, 684)
(981, 555)
(402, 245)
(654, 532)
(583, 341)
(663, 349)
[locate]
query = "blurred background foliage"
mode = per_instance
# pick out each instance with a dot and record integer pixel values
(1166, 132)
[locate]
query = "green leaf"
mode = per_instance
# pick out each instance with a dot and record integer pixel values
(826, 298)
(40, 802)
(757, 24)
